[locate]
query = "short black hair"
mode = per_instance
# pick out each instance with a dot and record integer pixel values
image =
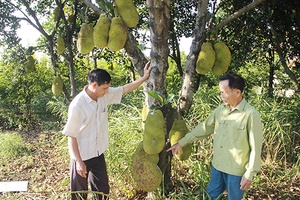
(235, 81)
(100, 76)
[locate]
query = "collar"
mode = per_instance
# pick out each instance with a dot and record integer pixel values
(86, 96)
(239, 107)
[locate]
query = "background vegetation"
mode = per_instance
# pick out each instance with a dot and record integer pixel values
(37, 151)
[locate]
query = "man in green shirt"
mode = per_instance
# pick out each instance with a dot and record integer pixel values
(237, 139)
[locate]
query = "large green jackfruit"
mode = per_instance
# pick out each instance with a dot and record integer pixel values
(178, 131)
(117, 34)
(206, 58)
(55, 14)
(139, 155)
(147, 175)
(101, 31)
(85, 42)
(154, 137)
(57, 86)
(30, 64)
(60, 45)
(128, 12)
(223, 58)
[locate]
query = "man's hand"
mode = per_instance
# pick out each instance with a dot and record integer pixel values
(81, 168)
(174, 148)
(245, 184)
(147, 70)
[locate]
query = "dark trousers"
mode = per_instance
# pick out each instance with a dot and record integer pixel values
(96, 176)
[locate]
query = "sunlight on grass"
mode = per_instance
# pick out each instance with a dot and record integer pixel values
(12, 146)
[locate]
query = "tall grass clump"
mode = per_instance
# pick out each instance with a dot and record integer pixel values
(12, 145)
(280, 117)
(125, 132)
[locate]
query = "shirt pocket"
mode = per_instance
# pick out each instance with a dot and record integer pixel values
(219, 127)
(239, 132)
(103, 115)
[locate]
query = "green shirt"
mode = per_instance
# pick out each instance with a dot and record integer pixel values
(237, 137)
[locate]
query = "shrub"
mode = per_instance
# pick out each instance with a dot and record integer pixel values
(12, 145)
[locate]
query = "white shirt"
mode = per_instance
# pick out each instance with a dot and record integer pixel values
(88, 122)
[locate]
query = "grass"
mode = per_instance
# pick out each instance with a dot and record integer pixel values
(41, 157)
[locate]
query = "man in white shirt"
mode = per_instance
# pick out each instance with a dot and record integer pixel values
(87, 131)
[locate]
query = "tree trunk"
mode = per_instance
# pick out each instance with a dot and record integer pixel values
(159, 24)
(287, 70)
(190, 77)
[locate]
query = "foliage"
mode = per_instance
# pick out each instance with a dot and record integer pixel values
(12, 146)
(280, 117)
(24, 95)
(48, 176)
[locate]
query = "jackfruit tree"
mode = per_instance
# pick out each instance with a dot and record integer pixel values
(165, 21)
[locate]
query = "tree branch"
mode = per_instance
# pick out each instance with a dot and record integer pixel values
(282, 59)
(236, 14)
(89, 4)
(37, 26)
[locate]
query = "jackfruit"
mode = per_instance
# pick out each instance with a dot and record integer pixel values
(117, 34)
(154, 137)
(144, 113)
(178, 131)
(85, 42)
(30, 64)
(146, 175)
(101, 31)
(60, 45)
(139, 155)
(56, 14)
(57, 86)
(70, 18)
(223, 58)
(128, 12)
(206, 58)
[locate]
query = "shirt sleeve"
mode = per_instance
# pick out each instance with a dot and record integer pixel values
(114, 95)
(201, 131)
(255, 143)
(74, 122)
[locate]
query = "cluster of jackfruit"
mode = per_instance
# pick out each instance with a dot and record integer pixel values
(109, 33)
(146, 173)
(57, 85)
(215, 57)
(30, 64)
(178, 131)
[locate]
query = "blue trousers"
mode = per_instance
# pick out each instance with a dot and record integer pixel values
(219, 181)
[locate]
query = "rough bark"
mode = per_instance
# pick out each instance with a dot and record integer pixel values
(190, 76)
(159, 22)
(159, 25)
